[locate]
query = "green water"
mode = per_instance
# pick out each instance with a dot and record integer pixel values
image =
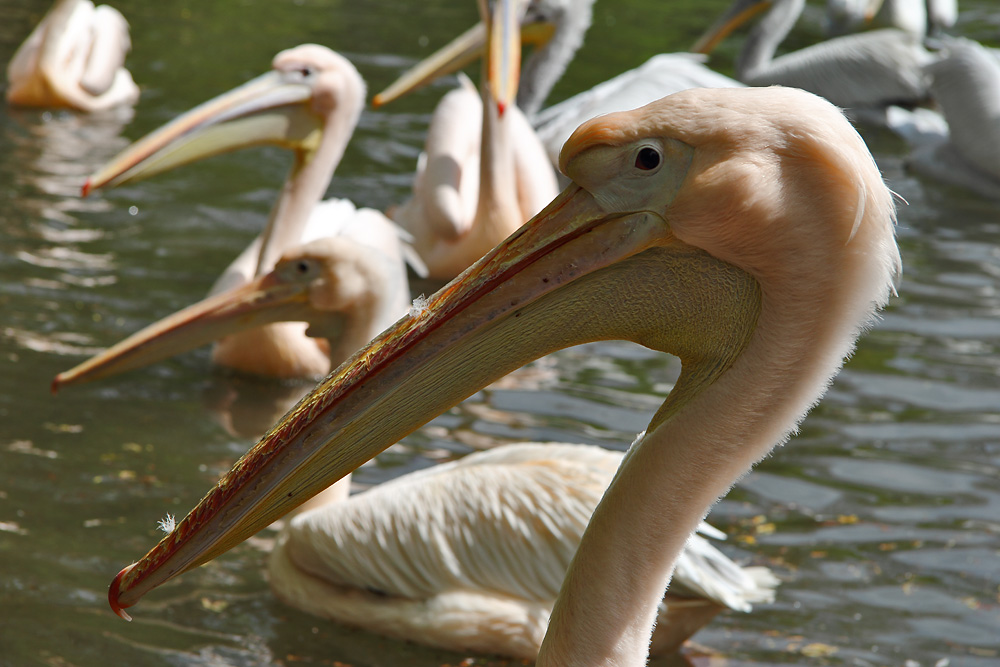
(881, 518)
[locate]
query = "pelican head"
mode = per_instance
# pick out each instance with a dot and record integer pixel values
(308, 89)
(746, 231)
(553, 28)
(346, 291)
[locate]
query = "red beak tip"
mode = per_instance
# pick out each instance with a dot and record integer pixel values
(85, 190)
(501, 107)
(114, 592)
(54, 387)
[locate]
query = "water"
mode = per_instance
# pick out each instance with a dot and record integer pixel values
(881, 517)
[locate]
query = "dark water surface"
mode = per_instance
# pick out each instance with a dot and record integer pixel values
(882, 518)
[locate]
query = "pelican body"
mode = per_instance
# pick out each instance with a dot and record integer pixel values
(469, 555)
(746, 231)
(74, 58)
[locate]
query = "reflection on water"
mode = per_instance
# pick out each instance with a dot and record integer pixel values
(881, 517)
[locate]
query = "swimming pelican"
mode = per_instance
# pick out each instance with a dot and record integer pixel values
(476, 182)
(74, 58)
(325, 561)
(344, 288)
(746, 231)
(966, 85)
(310, 104)
(862, 72)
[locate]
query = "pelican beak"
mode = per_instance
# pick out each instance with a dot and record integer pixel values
(738, 13)
(267, 299)
(271, 109)
(579, 271)
(469, 46)
(504, 60)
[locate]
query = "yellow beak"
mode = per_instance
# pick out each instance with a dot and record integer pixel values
(271, 109)
(265, 300)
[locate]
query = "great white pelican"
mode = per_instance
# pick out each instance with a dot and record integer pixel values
(468, 555)
(746, 231)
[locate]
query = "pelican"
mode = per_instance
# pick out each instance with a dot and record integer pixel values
(862, 72)
(557, 28)
(746, 231)
(966, 85)
(475, 182)
(74, 58)
(331, 560)
(309, 103)
(345, 287)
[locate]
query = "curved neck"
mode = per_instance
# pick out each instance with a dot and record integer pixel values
(304, 188)
(546, 65)
(760, 45)
(722, 416)
(56, 21)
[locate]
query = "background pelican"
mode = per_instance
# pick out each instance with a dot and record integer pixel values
(74, 58)
(966, 85)
(343, 288)
(310, 103)
(711, 225)
(862, 73)
(475, 183)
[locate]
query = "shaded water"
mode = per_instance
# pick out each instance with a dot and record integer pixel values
(881, 518)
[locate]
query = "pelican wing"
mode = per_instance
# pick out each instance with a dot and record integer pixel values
(506, 521)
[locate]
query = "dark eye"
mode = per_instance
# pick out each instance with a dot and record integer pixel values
(306, 72)
(302, 267)
(647, 159)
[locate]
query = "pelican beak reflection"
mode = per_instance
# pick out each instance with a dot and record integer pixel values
(502, 39)
(278, 296)
(601, 262)
(270, 109)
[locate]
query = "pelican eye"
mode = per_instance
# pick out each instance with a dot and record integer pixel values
(302, 267)
(647, 158)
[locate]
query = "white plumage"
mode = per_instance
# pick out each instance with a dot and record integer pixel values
(471, 554)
